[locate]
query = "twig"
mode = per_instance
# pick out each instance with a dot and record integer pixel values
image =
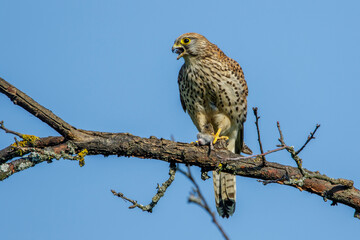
(311, 136)
(306, 174)
(266, 182)
(291, 151)
(201, 201)
(160, 193)
(255, 110)
(9, 131)
(258, 155)
(346, 183)
(281, 139)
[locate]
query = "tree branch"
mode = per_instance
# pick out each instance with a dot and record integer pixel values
(9, 131)
(197, 198)
(160, 193)
(255, 110)
(45, 115)
(75, 141)
(310, 137)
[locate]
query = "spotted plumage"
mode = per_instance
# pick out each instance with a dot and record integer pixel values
(213, 91)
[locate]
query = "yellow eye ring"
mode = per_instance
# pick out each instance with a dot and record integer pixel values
(185, 41)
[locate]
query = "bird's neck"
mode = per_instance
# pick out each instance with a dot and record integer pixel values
(191, 60)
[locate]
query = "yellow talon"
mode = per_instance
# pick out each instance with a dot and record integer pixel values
(196, 142)
(217, 137)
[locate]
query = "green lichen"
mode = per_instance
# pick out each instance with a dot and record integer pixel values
(4, 167)
(25, 165)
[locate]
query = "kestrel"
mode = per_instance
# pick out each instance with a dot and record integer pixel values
(213, 91)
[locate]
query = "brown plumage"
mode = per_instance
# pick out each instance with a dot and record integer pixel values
(213, 91)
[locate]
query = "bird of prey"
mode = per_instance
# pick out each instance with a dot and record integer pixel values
(213, 91)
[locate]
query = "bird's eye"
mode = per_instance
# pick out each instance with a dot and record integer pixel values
(185, 41)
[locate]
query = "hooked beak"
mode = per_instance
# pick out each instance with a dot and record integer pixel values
(178, 49)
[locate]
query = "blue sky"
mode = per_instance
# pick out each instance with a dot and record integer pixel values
(107, 66)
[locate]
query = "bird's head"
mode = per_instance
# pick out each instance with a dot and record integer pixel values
(190, 45)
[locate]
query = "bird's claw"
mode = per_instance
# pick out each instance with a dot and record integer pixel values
(217, 136)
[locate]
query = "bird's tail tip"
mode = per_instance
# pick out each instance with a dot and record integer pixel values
(226, 208)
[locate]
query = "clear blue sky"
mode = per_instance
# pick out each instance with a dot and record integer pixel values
(107, 66)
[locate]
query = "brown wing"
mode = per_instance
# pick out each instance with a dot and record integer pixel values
(180, 78)
(241, 101)
(239, 143)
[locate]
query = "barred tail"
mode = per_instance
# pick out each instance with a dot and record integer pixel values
(225, 193)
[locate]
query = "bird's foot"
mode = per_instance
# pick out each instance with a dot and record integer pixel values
(217, 136)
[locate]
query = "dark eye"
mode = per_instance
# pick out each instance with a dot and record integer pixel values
(185, 41)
